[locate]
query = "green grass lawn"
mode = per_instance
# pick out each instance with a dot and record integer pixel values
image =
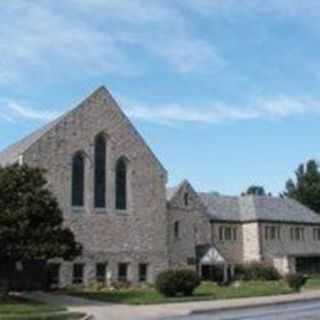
(207, 291)
(17, 308)
(313, 283)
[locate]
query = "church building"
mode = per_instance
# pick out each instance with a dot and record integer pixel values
(113, 192)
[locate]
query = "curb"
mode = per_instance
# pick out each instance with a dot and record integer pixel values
(88, 317)
(247, 306)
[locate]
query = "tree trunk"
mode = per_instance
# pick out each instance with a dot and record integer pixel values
(7, 275)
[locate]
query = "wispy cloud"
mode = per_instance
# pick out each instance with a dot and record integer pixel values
(187, 56)
(281, 107)
(50, 40)
(55, 43)
(12, 111)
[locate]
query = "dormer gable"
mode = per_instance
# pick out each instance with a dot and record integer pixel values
(184, 196)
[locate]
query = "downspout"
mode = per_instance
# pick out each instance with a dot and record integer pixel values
(260, 241)
(20, 160)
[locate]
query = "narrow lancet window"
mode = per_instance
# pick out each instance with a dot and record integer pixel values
(78, 173)
(100, 172)
(121, 184)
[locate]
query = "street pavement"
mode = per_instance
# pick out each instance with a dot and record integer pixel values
(293, 311)
(305, 305)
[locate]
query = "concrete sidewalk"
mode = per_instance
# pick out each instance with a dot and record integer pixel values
(105, 311)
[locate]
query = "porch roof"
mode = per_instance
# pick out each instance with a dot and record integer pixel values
(209, 255)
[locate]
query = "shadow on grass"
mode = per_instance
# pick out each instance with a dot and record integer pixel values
(20, 308)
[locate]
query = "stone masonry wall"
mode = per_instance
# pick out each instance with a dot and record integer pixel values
(285, 248)
(194, 227)
(251, 242)
(231, 250)
(135, 235)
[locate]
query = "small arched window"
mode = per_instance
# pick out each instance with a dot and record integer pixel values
(176, 230)
(121, 184)
(186, 199)
(100, 172)
(78, 173)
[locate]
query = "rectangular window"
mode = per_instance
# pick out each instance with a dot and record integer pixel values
(278, 233)
(220, 233)
(316, 234)
(54, 274)
(292, 233)
(234, 234)
(213, 236)
(191, 261)
(101, 269)
(123, 272)
(227, 233)
(297, 234)
(273, 233)
(266, 233)
(77, 274)
(143, 272)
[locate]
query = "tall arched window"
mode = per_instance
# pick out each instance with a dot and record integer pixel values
(78, 172)
(121, 184)
(100, 172)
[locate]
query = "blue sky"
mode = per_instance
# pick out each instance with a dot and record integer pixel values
(226, 92)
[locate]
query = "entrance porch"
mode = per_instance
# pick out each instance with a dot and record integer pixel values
(212, 265)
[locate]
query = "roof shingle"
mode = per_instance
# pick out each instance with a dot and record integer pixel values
(257, 208)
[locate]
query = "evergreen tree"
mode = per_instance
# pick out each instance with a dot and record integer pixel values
(256, 190)
(306, 186)
(31, 223)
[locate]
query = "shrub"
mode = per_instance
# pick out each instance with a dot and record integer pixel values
(256, 271)
(296, 281)
(177, 282)
(119, 285)
(96, 286)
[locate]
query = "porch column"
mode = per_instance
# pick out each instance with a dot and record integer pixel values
(225, 273)
(232, 271)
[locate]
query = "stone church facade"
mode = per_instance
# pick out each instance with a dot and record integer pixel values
(112, 190)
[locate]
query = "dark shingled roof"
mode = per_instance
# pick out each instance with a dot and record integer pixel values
(171, 191)
(11, 154)
(257, 208)
(221, 207)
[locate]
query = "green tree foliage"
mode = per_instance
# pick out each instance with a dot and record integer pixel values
(306, 187)
(256, 190)
(31, 223)
(296, 281)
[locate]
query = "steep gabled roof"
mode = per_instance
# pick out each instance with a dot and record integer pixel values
(172, 191)
(257, 208)
(11, 154)
(221, 207)
(282, 209)
(209, 255)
